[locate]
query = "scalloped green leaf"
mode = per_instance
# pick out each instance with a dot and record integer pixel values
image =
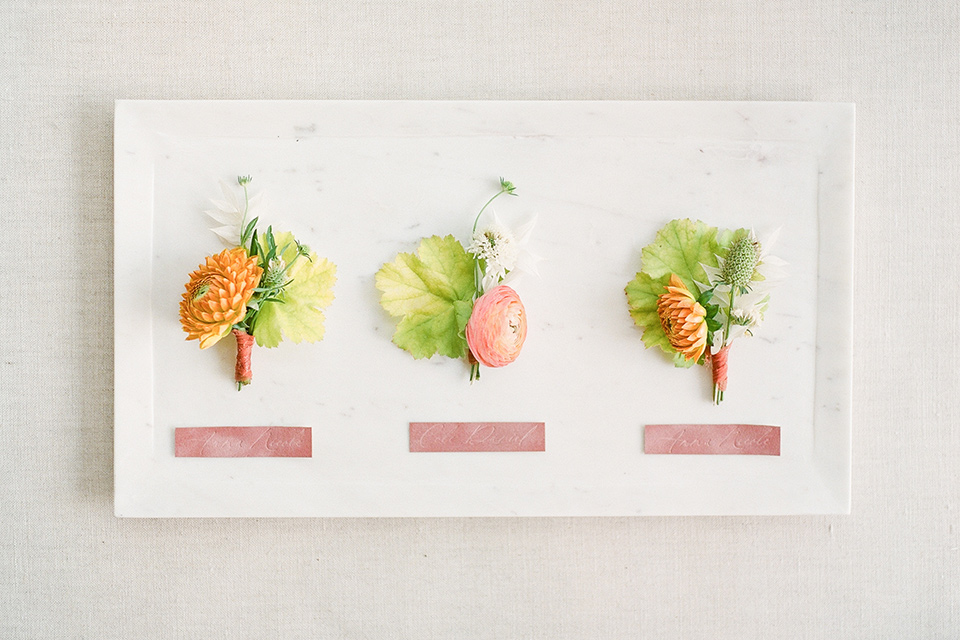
(432, 293)
(680, 247)
(297, 315)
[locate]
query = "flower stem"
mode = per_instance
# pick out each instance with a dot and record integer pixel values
(474, 366)
(477, 278)
(503, 189)
(726, 331)
(246, 208)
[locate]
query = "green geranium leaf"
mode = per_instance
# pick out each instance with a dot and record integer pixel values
(432, 293)
(680, 362)
(726, 238)
(642, 293)
(681, 247)
(297, 313)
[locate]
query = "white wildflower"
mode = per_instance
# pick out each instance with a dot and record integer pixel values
(751, 317)
(504, 252)
(496, 245)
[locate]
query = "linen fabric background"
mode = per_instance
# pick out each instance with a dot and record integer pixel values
(68, 568)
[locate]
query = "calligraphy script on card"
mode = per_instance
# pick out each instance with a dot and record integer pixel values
(712, 439)
(243, 442)
(476, 436)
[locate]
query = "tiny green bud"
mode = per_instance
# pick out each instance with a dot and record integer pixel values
(200, 291)
(244, 180)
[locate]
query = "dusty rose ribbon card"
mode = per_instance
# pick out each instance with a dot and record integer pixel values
(476, 436)
(712, 439)
(243, 442)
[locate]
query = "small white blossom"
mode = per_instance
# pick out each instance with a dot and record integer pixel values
(747, 317)
(496, 245)
(504, 253)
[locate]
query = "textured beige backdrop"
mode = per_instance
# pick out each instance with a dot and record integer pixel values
(68, 569)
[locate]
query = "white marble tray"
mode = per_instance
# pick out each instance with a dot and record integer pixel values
(360, 181)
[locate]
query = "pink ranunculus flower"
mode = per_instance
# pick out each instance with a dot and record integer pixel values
(497, 327)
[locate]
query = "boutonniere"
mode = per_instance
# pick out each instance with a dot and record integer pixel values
(458, 301)
(699, 289)
(265, 287)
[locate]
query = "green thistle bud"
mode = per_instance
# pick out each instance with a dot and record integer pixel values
(275, 277)
(741, 262)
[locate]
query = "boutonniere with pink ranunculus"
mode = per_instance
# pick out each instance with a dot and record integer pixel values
(458, 301)
(699, 289)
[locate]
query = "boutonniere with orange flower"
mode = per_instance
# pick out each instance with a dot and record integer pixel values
(699, 289)
(266, 287)
(458, 301)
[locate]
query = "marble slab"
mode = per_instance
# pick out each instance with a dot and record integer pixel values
(360, 181)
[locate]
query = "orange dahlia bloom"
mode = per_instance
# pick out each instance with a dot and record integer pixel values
(217, 295)
(683, 319)
(497, 327)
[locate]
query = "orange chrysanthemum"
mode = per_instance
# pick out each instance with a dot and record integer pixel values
(217, 295)
(683, 319)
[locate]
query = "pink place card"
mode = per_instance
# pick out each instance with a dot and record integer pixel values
(477, 436)
(243, 442)
(712, 439)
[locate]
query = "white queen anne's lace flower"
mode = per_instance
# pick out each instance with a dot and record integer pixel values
(496, 246)
(504, 252)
